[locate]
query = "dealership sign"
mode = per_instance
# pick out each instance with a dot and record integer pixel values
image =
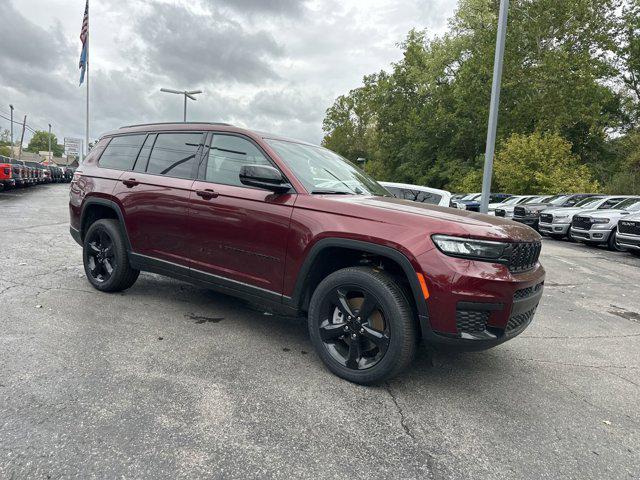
(72, 146)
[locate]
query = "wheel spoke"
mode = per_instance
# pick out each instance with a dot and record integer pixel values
(339, 299)
(108, 252)
(331, 331)
(378, 338)
(368, 306)
(107, 266)
(104, 238)
(93, 266)
(354, 353)
(94, 248)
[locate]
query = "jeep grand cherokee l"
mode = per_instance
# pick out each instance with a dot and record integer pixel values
(294, 225)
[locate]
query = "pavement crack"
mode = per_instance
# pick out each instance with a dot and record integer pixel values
(403, 420)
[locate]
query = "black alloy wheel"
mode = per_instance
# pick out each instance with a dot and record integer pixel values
(353, 329)
(101, 256)
(106, 261)
(362, 325)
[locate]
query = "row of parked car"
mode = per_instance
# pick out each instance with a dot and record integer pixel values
(16, 174)
(593, 219)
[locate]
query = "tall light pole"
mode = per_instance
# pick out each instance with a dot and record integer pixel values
(187, 94)
(11, 108)
(50, 154)
(495, 103)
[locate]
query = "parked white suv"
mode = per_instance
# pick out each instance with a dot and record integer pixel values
(556, 222)
(418, 193)
(600, 227)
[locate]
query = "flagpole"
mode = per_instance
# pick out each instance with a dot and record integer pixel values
(87, 73)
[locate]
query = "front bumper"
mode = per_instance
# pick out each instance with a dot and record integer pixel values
(631, 242)
(477, 305)
(592, 236)
(530, 221)
(554, 228)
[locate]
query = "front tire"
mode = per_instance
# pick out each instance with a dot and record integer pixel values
(612, 242)
(362, 325)
(105, 258)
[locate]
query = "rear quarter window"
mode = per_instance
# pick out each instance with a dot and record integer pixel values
(121, 152)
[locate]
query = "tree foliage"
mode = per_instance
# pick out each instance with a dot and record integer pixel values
(40, 142)
(425, 120)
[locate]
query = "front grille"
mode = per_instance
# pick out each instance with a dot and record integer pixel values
(583, 223)
(527, 292)
(501, 213)
(631, 228)
(524, 256)
(520, 320)
(519, 212)
(546, 218)
(471, 321)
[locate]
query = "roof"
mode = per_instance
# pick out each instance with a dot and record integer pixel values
(202, 126)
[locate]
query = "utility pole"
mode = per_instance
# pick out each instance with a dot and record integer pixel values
(493, 109)
(11, 108)
(50, 154)
(24, 124)
(187, 94)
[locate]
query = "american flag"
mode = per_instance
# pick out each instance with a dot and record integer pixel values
(84, 34)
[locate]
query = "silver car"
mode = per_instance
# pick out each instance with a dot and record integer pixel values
(556, 222)
(600, 227)
(507, 211)
(629, 233)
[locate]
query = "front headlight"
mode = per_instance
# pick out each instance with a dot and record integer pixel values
(470, 248)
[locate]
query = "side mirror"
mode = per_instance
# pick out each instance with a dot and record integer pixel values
(264, 176)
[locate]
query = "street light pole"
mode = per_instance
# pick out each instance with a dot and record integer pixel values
(11, 108)
(50, 154)
(187, 94)
(495, 103)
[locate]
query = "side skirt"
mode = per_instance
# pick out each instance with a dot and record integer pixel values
(273, 300)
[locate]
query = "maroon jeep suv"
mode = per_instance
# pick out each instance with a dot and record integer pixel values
(295, 226)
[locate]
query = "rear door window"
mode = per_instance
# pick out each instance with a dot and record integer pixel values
(174, 154)
(121, 152)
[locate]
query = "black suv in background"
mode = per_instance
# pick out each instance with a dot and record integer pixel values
(530, 214)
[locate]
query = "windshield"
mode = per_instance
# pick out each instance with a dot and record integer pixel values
(589, 202)
(471, 196)
(630, 204)
(513, 201)
(322, 171)
(557, 199)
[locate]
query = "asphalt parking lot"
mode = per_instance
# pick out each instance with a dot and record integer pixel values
(170, 380)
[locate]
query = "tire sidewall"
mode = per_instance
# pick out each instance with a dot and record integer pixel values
(393, 312)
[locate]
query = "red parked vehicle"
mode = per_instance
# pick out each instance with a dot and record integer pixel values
(6, 176)
(296, 226)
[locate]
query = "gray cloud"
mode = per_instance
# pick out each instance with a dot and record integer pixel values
(272, 65)
(194, 48)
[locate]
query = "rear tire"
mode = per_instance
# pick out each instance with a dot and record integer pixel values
(105, 258)
(362, 325)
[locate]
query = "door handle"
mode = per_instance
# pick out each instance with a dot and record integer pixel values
(131, 182)
(206, 194)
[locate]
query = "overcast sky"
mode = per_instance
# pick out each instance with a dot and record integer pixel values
(273, 65)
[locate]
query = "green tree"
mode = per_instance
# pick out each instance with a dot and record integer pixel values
(40, 142)
(5, 151)
(541, 163)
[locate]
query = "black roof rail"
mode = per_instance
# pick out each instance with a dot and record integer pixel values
(174, 123)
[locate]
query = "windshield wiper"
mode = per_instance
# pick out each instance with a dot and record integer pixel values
(331, 192)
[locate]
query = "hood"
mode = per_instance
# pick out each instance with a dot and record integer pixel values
(430, 218)
(567, 211)
(612, 213)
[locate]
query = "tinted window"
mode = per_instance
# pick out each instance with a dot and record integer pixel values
(143, 157)
(611, 203)
(227, 154)
(121, 152)
(415, 195)
(174, 154)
